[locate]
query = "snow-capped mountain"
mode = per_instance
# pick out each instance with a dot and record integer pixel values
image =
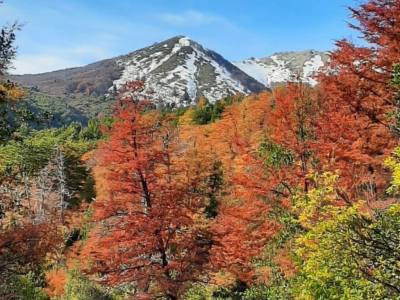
(285, 66)
(180, 70)
(177, 71)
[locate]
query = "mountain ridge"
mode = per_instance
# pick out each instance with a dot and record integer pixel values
(177, 71)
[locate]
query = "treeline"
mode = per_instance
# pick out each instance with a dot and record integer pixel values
(289, 194)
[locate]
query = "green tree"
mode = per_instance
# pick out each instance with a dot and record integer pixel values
(346, 253)
(78, 287)
(206, 112)
(24, 287)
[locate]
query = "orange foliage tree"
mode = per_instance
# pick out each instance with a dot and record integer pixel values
(291, 123)
(242, 226)
(355, 128)
(24, 247)
(150, 230)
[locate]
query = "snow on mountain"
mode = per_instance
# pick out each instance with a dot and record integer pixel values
(285, 66)
(178, 71)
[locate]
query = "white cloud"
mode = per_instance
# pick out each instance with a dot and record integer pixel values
(56, 59)
(39, 63)
(189, 18)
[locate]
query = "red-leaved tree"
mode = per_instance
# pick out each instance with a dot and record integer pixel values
(149, 229)
(356, 127)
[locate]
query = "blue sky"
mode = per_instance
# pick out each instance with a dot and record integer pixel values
(65, 33)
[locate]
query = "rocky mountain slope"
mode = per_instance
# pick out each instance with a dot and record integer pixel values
(282, 67)
(177, 71)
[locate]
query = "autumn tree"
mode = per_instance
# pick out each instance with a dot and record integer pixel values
(242, 226)
(23, 248)
(359, 103)
(291, 126)
(149, 220)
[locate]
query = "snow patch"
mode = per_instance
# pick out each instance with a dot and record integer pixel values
(184, 42)
(136, 68)
(254, 69)
(276, 69)
(311, 67)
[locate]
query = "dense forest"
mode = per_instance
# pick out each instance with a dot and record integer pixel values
(287, 194)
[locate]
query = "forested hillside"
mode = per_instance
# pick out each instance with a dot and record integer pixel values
(286, 194)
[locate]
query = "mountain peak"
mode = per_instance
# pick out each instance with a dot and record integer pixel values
(179, 70)
(184, 41)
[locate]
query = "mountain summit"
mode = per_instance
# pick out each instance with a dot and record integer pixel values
(180, 70)
(177, 71)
